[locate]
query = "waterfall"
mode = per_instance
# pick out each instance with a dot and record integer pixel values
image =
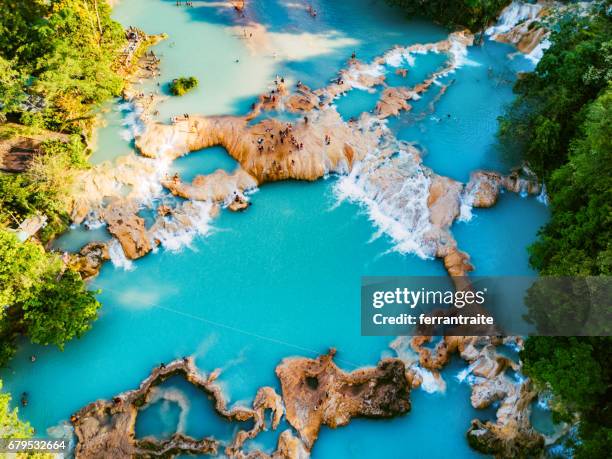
(512, 15)
(118, 257)
(394, 191)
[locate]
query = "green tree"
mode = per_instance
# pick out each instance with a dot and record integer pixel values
(180, 86)
(66, 51)
(473, 14)
(41, 298)
(61, 309)
(560, 124)
(10, 424)
(21, 265)
(578, 238)
(551, 101)
(12, 83)
(578, 372)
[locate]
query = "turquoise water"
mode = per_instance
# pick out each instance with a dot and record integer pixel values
(356, 102)
(282, 278)
(114, 136)
(203, 162)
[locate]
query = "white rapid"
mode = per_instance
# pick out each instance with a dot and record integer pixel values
(511, 16)
(394, 192)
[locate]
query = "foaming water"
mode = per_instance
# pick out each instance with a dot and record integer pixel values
(515, 13)
(191, 219)
(283, 278)
(117, 257)
(394, 192)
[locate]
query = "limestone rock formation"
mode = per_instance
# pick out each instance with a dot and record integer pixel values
(511, 434)
(393, 100)
(238, 204)
(483, 187)
(129, 229)
(218, 186)
(90, 258)
(290, 447)
(270, 150)
(316, 392)
(105, 428)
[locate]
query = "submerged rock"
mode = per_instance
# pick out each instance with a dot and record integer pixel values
(316, 392)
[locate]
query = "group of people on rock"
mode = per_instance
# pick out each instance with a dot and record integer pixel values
(187, 3)
(283, 134)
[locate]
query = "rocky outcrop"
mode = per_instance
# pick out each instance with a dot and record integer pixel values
(290, 447)
(316, 393)
(218, 187)
(304, 100)
(129, 229)
(268, 151)
(238, 204)
(444, 202)
(484, 186)
(89, 260)
(511, 434)
(106, 428)
(393, 100)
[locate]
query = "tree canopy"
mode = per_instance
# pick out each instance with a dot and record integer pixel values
(560, 125)
(473, 14)
(57, 59)
(10, 424)
(552, 102)
(39, 297)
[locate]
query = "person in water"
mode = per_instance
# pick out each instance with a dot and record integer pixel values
(24, 399)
